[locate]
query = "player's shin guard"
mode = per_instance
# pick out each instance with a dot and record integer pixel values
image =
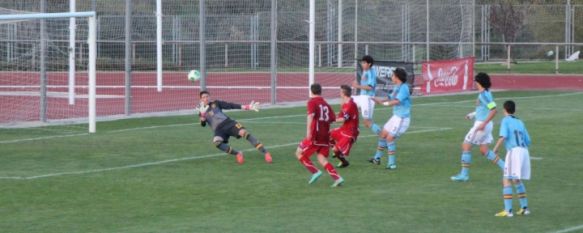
(495, 159)
(375, 129)
(330, 169)
(466, 161)
(521, 191)
(227, 149)
(392, 152)
(308, 165)
(255, 143)
(381, 147)
(507, 194)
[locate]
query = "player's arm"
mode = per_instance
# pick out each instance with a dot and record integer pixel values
(308, 124)
(503, 135)
(370, 85)
(498, 143)
(491, 105)
(228, 105)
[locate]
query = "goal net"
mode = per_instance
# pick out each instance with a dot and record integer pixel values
(39, 84)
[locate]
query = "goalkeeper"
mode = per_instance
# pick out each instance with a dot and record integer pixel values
(211, 112)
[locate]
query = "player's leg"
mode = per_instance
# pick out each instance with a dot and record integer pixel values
(507, 196)
(345, 146)
(381, 143)
(466, 157)
(242, 132)
(303, 153)
(519, 164)
(221, 142)
(323, 160)
(397, 127)
(484, 138)
(521, 193)
(366, 107)
(391, 152)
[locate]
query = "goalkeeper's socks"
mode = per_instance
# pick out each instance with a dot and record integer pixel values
(375, 129)
(466, 161)
(381, 146)
(255, 143)
(521, 191)
(308, 165)
(227, 149)
(507, 193)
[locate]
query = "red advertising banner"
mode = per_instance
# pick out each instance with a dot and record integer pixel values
(448, 76)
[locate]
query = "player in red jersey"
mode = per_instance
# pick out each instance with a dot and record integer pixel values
(317, 140)
(343, 137)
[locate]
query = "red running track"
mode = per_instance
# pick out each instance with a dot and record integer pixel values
(180, 94)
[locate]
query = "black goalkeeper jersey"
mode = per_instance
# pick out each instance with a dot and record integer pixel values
(215, 116)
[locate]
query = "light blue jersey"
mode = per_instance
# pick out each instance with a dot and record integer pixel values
(401, 92)
(484, 105)
(514, 133)
(368, 78)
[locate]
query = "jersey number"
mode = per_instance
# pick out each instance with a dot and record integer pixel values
(519, 138)
(324, 113)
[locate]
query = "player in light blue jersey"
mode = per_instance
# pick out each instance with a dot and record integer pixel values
(515, 137)
(481, 133)
(367, 86)
(398, 124)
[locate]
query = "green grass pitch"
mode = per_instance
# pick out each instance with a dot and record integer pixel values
(164, 175)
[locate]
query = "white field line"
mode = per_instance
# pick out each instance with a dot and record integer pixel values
(262, 118)
(160, 162)
(570, 229)
(536, 158)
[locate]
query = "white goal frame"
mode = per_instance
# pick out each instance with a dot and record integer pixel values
(92, 45)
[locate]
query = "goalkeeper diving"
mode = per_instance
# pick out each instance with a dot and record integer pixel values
(211, 112)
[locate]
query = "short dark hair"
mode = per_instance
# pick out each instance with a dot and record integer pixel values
(203, 92)
(368, 59)
(316, 89)
(346, 90)
(510, 106)
(401, 74)
(484, 80)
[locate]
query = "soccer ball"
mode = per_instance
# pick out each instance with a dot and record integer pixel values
(193, 75)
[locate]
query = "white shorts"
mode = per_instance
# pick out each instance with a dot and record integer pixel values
(397, 126)
(480, 137)
(365, 104)
(517, 164)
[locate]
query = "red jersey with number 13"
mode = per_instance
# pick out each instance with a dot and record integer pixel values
(323, 115)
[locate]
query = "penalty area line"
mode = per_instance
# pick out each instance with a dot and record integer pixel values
(161, 162)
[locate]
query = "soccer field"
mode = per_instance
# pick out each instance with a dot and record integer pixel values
(164, 175)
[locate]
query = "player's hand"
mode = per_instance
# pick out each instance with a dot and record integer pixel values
(481, 127)
(252, 106)
(354, 84)
(471, 115)
(202, 108)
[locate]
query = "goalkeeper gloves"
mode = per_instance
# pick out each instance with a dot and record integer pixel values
(202, 108)
(252, 106)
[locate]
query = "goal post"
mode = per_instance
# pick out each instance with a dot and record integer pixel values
(16, 116)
